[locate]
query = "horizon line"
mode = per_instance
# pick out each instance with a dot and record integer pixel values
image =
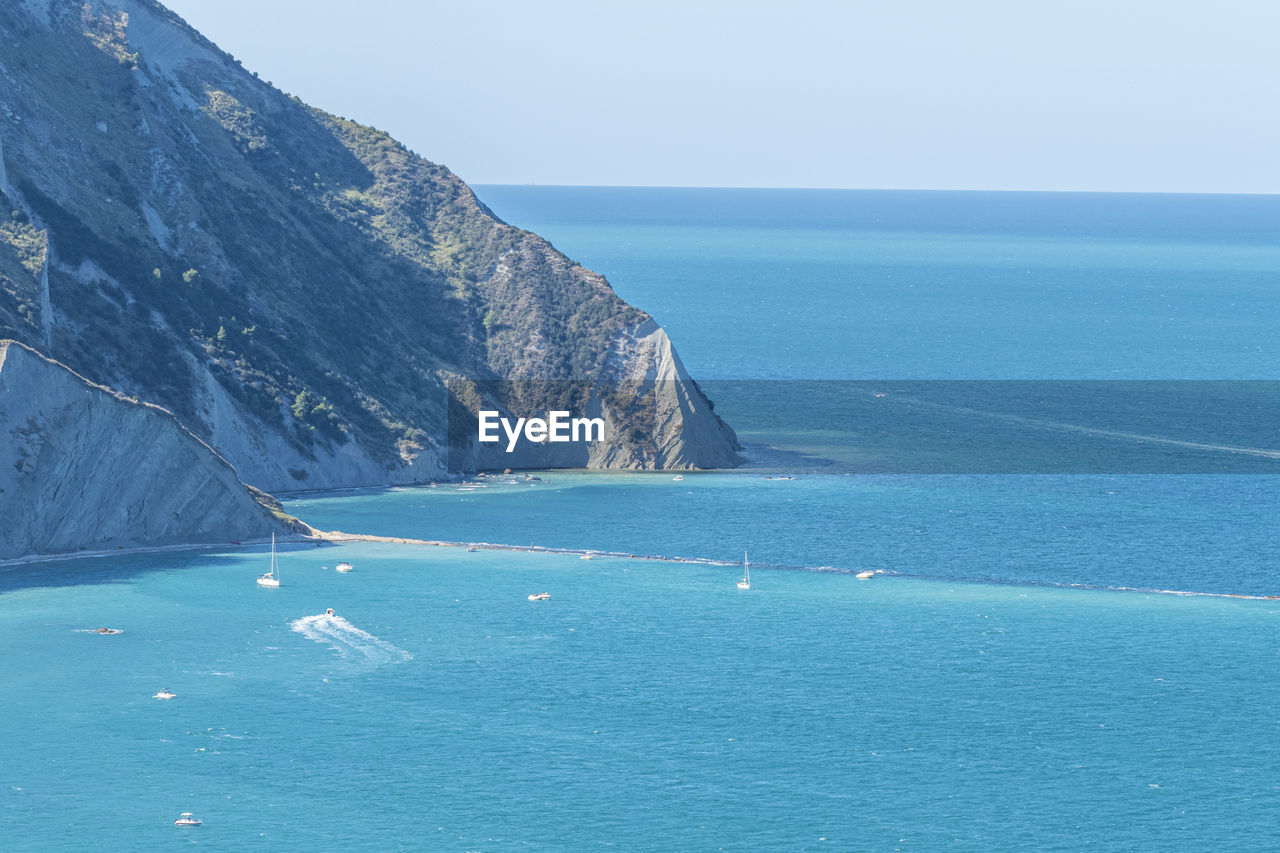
(870, 189)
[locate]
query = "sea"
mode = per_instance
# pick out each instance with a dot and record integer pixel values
(1044, 423)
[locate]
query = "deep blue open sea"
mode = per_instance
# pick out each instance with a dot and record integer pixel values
(1043, 661)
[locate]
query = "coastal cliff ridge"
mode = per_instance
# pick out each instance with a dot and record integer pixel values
(304, 293)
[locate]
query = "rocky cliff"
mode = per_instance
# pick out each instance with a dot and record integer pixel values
(82, 467)
(304, 293)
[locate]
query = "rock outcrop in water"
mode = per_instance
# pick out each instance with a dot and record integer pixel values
(82, 467)
(304, 293)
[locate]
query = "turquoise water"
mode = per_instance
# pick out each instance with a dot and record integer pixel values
(990, 690)
(646, 706)
(1193, 533)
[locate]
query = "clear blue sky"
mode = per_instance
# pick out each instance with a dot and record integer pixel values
(1129, 96)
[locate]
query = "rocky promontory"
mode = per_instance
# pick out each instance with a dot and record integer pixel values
(304, 293)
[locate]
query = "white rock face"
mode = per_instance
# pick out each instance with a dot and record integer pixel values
(686, 432)
(164, 48)
(156, 226)
(83, 468)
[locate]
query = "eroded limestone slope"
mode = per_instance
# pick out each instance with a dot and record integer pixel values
(82, 468)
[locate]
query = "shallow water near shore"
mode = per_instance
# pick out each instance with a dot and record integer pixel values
(1211, 534)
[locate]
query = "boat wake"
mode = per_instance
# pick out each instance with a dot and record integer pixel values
(350, 642)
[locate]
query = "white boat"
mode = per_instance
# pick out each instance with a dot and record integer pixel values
(187, 819)
(745, 583)
(678, 477)
(862, 576)
(165, 694)
(271, 578)
(540, 596)
(343, 567)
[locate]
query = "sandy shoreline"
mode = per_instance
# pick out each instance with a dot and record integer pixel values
(337, 536)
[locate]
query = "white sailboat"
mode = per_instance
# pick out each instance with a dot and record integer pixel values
(745, 583)
(271, 578)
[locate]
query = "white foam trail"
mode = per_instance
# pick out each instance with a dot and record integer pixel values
(349, 641)
(1119, 435)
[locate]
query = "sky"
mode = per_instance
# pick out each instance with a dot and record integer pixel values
(1140, 96)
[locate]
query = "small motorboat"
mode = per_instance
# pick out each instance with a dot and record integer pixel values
(678, 477)
(540, 596)
(165, 694)
(343, 567)
(106, 630)
(187, 819)
(587, 557)
(862, 576)
(329, 612)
